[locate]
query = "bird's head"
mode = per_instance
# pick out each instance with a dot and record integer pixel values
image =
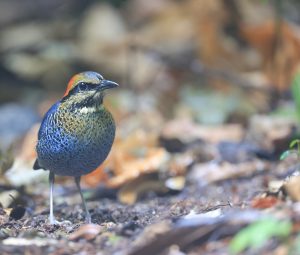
(86, 89)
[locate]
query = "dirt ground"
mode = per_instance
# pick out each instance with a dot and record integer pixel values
(124, 228)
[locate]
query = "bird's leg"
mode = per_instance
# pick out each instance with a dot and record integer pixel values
(87, 214)
(51, 181)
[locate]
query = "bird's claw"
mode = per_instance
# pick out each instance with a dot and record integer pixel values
(88, 220)
(53, 221)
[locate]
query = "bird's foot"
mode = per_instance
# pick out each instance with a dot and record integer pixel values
(88, 219)
(53, 221)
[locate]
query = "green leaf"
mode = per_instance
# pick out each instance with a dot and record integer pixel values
(296, 92)
(294, 142)
(258, 233)
(285, 154)
(114, 239)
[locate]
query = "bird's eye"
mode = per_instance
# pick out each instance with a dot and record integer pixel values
(83, 86)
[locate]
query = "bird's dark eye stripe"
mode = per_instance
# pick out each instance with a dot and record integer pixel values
(82, 86)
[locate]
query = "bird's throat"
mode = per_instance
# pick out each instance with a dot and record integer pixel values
(94, 104)
(86, 110)
(87, 105)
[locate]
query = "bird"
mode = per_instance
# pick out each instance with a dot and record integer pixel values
(77, 133)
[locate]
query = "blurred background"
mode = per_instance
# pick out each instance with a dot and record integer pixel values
(188, 71)
(208, 101)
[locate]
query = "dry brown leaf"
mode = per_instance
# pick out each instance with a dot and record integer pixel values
(174, 28)
(211, 47)
(4, 216)
(130, 168)
(179, 163)
(264, 202)
(96, 177)
(275, 186)
(292, 187)
(130, 192)
(187, 131)
(272, 133)
(87, 232)
(279, 48)
(134, 156)
(171, 29)
(213, 172)
(130, 158)
(28, 152)
(21, 171)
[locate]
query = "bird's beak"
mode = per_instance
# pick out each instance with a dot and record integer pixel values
(105, 84)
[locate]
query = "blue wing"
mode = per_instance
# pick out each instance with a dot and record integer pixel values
(50, 112)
